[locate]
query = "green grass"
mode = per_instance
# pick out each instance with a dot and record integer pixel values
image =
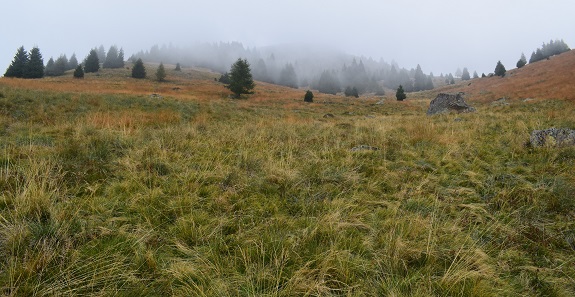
(228, 198)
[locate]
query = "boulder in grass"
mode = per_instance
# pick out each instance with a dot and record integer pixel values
(445, 103)
(552, 137)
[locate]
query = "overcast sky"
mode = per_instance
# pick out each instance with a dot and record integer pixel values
(440, 35)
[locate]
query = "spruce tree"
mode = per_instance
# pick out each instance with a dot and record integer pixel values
(139, 71)
(161, 73)
(111, 58)
(178, 68)
(92, 62)
(400, 94)
(522, 61)
(465, 74)
(288, 77)
(72, 63)
(60, 65)
(120, 60)
(35, 66)
(475, 75)
(308, 96)
(241, 81)
(328, 83)
(16, 68)
(500, 69)
(79, 72)
(49, 70)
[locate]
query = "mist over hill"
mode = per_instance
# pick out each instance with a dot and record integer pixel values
(310, 63)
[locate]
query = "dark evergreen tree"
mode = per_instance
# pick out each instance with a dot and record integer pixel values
(35, 66)
(120, 60)
(483, 75)
(16, 68)
(400, 93)
(241, 81)
(161, 72)
(522, 61)
(351, 92)
(139, 71)
(429, 83)
(50, 69)
(92, 62)
(475, 75)
(419, 80)
(288, 77)
(178, 68)
(500, 69)
(72, 63)
(308, 96)
(79, 72)
(465, 74)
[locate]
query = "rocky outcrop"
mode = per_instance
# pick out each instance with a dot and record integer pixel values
(445, 103)
(552, 137)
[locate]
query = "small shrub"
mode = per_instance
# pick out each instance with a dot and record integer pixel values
(308, 96)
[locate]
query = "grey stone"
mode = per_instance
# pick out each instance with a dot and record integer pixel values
(445, 103)
(364, 147)
(552, 137)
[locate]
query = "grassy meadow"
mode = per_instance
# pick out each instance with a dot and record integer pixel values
(108, 190)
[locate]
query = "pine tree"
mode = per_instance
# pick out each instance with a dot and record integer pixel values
(161, 72)
(92, 62)
(241, 81)
(111, 58)
(139, 71)
(35, 66)
(328, 83)
(522, 61)
(49, 70)
(475, 75)
(72, 63)
(79, 72)
(60, 65)
(308, 96)
(465, 74)
(500, 69)
(101, 53)
(288, 77)
(400, 94)
(16, 68)
(120, 60)
(178, 68)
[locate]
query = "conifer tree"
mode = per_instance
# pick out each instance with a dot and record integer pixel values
(178, 68)
(92, 62)
(16, 68)
(400, 94)
(241, 81)
(328, 83)
(49, 70)
(465, 74)
(288, 77)
(60, 65)
(120, 60)
(79, 72)
(522, 61)
(500, 69)
(72, 63)
(101, 53)
(308, 96)
(111, 58)
(139, 71)
(35, 66)
(475, 75)
(161, 72)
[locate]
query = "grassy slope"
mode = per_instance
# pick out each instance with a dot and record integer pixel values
(547, 79)
(105, 190)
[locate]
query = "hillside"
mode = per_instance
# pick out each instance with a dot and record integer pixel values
(548, 79)
(112, 186)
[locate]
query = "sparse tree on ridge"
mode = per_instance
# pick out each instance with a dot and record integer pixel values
(92, 62)
(522, 61)
(16, 68)
(500, 69)
(161, 72)
(35, 66)
(400, 94)
(72, 63)
(139, 71)
(465, 74)
(241, 81)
